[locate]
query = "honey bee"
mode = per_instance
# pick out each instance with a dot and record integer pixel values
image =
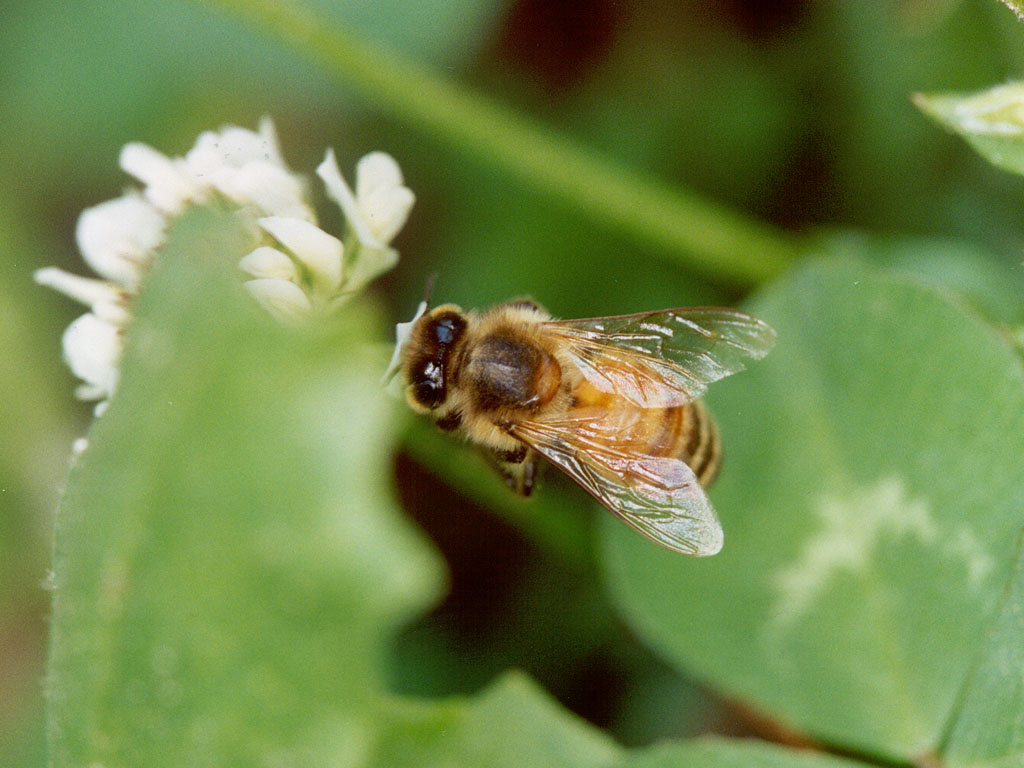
(611, 401)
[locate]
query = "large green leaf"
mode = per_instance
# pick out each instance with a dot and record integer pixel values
(723, 753)
(989, 730)
(509, 725)
(991, 283)
(870, 496)
(1016, 6)
(227, 554)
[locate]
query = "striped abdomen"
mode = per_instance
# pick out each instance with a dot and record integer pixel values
(687, 431)
(703, 448)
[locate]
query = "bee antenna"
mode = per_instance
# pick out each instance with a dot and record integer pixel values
(429, 287)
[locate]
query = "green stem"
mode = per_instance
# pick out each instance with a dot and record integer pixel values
(704, 236)
(550, 522)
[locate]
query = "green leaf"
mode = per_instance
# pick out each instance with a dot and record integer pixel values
(511, 724)
(989, 729)
(728, 753)
(991, 121)
(991, 285)
(870, 496)
(1016, 6)
(228, 557)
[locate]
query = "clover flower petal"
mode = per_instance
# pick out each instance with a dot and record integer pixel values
(320, 252)
(283, 298)
(236, 147)
(267, 187)
(118, 238)
(167, 184)
(105, 299)
(386, 210)
(374, 212)
(383, 199)
(269, 262)
(92, 350)
(232, 147)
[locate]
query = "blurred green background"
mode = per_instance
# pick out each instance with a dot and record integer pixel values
(794, 113)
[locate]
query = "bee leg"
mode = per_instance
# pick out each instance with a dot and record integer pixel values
(517, 467)
(528, 477)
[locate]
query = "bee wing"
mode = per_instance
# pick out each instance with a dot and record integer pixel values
(663, 358)
(657, 496)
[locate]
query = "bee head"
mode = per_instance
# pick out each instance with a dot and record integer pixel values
(433, 339)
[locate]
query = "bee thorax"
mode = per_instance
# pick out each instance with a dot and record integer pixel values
(505, 372)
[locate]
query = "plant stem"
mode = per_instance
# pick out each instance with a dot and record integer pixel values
(704, 236)
(551, 523)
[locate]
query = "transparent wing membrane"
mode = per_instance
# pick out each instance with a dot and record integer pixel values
(666, 357)
(657, 496)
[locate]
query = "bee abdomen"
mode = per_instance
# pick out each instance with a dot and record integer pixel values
(702, 448)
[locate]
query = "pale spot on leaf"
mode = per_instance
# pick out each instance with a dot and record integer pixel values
(977, 561)
(850, 527)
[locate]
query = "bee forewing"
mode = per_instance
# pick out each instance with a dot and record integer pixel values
(675, 353)
(657, 496)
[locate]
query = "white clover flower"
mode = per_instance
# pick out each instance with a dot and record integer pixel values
(384, 202)
(93, 343)
(92, 348)
(118, 238)
(283, 299)
(271, 263)
(104, 298)
(304, 278)
(376, 211)
(298, 270)
(319, 252)
(327, 271)
(245, 167)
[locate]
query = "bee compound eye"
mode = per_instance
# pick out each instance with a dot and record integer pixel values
(427, 394)
(446, 327)
(428, 385)
(444, 332)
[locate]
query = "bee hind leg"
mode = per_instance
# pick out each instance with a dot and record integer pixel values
(517, 467)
